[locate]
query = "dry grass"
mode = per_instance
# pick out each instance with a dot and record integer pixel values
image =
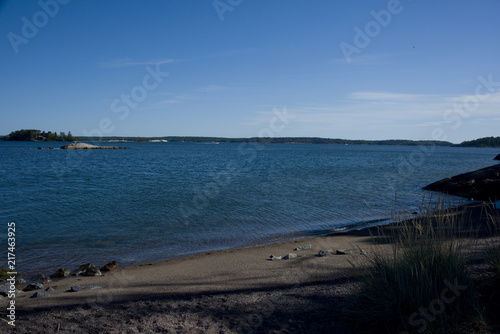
(426, 285)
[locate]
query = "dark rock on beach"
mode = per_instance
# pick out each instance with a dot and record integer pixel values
(33, 287)
(303, 247)
(482, 184)
(62, 272)
(88, 269)
(84, 267)
(5, 289)
(290, 256)
(77, 288)
(92, 271)
(84, 146)
(322, 252)
(110, 266)
(40, 294)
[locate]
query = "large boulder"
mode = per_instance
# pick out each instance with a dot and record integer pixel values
(497, 157)
(482, 184)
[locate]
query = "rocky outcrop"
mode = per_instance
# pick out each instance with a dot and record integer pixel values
(497, 157)
(84, 146)
(482, 184)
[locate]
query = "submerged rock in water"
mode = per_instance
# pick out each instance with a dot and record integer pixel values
(497, 157)
(84, 146)
(482, 184)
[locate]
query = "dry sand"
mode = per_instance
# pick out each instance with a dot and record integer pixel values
(231, 291)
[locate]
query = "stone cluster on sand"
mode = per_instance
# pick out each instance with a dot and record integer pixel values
(321, 253)
(38, 285)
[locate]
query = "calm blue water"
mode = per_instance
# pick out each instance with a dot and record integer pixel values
(163, 200)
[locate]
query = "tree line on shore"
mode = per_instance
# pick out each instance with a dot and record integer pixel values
(482, 142)
(37, 135)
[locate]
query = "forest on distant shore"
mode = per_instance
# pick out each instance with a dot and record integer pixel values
(482, 142)
(38, 135)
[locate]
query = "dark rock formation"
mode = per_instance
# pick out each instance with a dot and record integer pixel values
(497, 157)
(482, 184)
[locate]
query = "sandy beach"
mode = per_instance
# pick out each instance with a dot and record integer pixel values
(230, 291)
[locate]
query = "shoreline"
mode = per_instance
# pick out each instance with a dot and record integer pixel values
(349, 229)
(216, 292)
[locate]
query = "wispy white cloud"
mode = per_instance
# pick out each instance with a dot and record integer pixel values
(368, 59)
(176, 99)
(127, 62)
(210, 89)
(390, 114)
(384, 96)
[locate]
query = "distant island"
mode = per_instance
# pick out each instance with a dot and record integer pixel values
(37, 135)
(481, 142)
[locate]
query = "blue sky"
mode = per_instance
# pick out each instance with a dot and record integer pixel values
(239, 68)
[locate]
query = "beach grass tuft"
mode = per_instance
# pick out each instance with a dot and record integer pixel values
(424, 282)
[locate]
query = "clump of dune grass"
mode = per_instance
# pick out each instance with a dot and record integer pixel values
(493, 258)
(422, 284)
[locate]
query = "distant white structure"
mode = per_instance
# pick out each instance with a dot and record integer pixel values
(158, 141)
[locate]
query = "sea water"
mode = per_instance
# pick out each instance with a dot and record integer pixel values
(156, 201)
